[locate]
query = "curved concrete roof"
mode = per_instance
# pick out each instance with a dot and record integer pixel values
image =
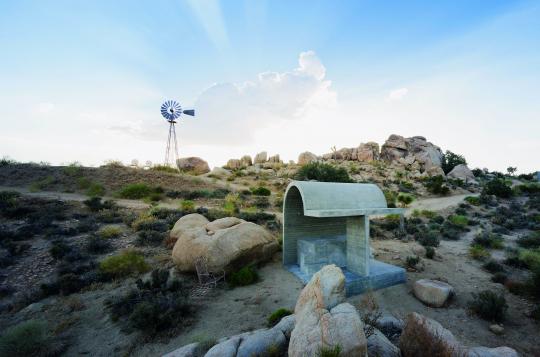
(332, 199)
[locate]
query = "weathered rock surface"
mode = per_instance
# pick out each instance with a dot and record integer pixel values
(306, 157)
(260, 158)
(432, 292)
(220, 172)
(234, 164)
(193, 165)
(246, 161)
(190, 350)
(492, 352)
(380, 346)
(274, 159)
(226, 243)
(367, 152)
(462, 172)
(496, 329)
(322, 319)
(414, 149)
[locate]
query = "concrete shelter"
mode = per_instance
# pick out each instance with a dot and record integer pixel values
(328, 223)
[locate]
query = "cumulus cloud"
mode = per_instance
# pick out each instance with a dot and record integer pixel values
(397, 94)
(229, 113)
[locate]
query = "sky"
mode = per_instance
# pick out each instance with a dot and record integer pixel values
(84, 80)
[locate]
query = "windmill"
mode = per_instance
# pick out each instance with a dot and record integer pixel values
(171, 110)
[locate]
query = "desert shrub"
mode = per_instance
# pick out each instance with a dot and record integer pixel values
(277, 315)
(59, 249)
(534, 281)
(95, 244)
(478, 252)
(6, 161)
(489, 305)
(451, 231)
(489, 240)
(109, 232)
(458, 220)
(391, 221)
(493, 266)
(29, 338)
(428, 214)
(126, 263)
(146, 222)
(135, 191)
(95, 204)
(187, 206)
(391, 198)
(417, 340)
(405, 199)
(412, 262)
(246, 276)
(530, 257)
(95, 190)
(499, 278)
(513, 260)
(530, 241)
(42, 184)
(109, 216)
(156, 305)
(232, 204)
(323, 172)
(152, 238)
(430, 252)
(8, 200)
(333, 351)
(435, 185)
(535, 313)
(261, 202)
(451, 160)
(428, 238)
(473, 200)
(437, 219)
(260, 191)
(498, 188)
(164, 168)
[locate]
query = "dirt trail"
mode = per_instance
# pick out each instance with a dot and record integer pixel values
(437, 203)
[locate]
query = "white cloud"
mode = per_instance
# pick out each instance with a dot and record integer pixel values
(397, 94)
(45, 108)
(230, 113)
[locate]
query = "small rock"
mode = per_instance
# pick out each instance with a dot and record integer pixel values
(492, 352)
(432, 292)
(379, 346)
(496, 329)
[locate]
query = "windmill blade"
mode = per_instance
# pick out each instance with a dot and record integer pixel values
(189, 112)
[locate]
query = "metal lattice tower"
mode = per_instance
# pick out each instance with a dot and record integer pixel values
(171, 110)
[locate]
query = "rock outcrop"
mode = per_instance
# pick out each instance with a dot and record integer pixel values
(433, 293)
(367, 152)
(324, 320)
(226, 243)
(414, 149)
(306, 157)
(260, 158)
(234, 164)
(246, 161)
(193, 165)
(462, 172)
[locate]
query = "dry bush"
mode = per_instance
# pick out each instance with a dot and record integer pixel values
(370, 312)
(417, 341)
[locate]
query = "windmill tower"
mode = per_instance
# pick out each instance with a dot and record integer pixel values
(171, 111)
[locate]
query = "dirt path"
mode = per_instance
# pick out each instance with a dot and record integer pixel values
(437, 203)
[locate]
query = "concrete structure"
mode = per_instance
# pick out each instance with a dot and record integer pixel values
(328, 223)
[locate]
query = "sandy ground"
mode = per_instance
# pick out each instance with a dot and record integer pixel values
(437, 203)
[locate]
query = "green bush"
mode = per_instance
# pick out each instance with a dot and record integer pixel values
(489, 305)
(493, 267)
(489, 240)
(428, 214)
(126, 263)
(245, 276)
(29, 338)
(109, 232)
(95, 204)
(405, 199)
(164, 168)
(149, 237)
(277, 315)
(435, 185)
(530, 241)
(530, 257)
(391, 198)
(95, 244)
(323, 172)
(412, 262)
(451, 160)
(430, 252)
(497, 187)
(334, 351)
(458, 220)
(428, 238)
(499, 278)
(473, 200)
(260, 191)
(135, 191)
(187, 206)
(478, 252)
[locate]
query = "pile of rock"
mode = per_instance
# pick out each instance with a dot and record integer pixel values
(260, 160)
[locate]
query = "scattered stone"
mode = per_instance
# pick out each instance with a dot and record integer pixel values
(379, 346)
(234, 242)
(432, 292)
(193, 165)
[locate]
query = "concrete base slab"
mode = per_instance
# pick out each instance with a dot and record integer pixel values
(381, 275)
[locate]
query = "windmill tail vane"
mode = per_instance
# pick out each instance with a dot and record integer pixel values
(171, 111)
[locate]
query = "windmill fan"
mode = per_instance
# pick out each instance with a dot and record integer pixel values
(172, 110)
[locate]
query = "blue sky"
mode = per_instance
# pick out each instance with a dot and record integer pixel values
(84, 80)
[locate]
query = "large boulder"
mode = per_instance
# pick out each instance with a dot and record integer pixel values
(323, 320)
(260, 158)
(394, 148)
(234, 164)
(414, 149)
(433, 292)
(226, 243)
(462, 172)
(274, 159)
(306, 157)
(367, 152)
(246, 161)
(422, 334)
(193, 165)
